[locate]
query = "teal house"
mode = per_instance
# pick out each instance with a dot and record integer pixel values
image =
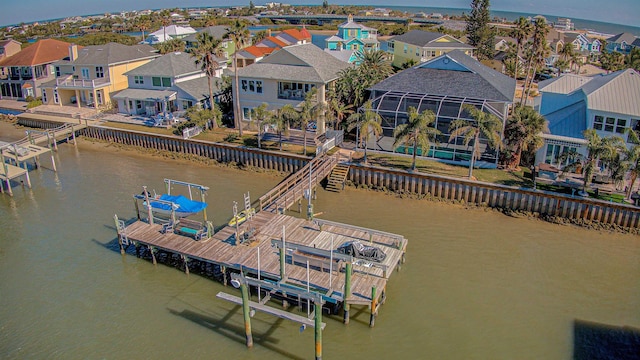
(351, 38)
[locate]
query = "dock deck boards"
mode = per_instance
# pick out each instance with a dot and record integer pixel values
(223, 249)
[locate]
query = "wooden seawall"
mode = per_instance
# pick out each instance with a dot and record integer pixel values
(446, 188)
(497, 196)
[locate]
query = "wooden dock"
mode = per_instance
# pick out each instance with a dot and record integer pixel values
(14, 157)
(224, 250)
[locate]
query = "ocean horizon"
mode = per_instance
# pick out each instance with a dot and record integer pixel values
(580, 24)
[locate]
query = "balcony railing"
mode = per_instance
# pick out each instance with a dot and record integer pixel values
(291, 95)
(81, 83)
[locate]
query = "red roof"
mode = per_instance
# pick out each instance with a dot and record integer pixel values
(259, 51)
(42, 52)
(298, 34)
(304, 32)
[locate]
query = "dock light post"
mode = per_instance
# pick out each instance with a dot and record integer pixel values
(533, 175)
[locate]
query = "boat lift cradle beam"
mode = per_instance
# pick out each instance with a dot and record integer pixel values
(243, 282)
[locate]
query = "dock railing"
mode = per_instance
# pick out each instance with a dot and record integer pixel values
(399, 240)
(292, 188)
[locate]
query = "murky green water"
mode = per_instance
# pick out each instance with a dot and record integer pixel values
(476, 285)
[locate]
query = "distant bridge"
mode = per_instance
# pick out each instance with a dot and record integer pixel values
(320, 19)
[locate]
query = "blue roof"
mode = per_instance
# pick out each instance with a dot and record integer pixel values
(569, 121)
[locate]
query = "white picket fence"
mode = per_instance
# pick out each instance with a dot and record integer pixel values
(191, 132)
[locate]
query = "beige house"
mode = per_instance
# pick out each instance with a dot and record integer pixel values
(285, 77)
(420, 46)
(8, 48)
(94, 73)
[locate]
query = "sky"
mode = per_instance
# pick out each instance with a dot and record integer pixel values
(626, 12)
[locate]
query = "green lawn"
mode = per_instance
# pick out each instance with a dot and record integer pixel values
(221, 135)
(515, 178)
(520, 178)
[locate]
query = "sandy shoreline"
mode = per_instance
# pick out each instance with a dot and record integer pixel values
(11, 132)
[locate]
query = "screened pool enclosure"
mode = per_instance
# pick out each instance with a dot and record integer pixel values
(394, 105)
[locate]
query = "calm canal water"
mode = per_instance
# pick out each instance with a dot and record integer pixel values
(476, 285)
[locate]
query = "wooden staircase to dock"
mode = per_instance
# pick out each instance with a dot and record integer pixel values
(337, 178)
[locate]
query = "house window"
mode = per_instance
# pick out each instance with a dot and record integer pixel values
(138, 79)
(621, 126)
(85, 73)
(56, 100)
(99, 72)
(99, 95)
(598, 122)
(186, 104)
(406, 48)
(44, 96)
(58, 71)
(251, 86)
(164, 82)
(246, 113)
(609, 124)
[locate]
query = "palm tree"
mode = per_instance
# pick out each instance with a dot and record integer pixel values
(536, 53)
(632, 60)
(280, 119)
(375, 65)
(632, 158)
(205, 52)
(337, 111)
(241, 36)
(309, 110)
(598, 149)
(520, 33)
(172, 45)
(418, 131)
(483, 124)
(261, 114)
(522, 133)
(143, 24)
(367, 122)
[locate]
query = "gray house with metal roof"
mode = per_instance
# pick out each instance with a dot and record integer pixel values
(285, 77)
(443, 85)
(169, 83)
(572, 104)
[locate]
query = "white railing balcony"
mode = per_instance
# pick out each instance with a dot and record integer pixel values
(70, 82)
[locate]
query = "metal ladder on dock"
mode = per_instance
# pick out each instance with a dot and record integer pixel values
(337, 178)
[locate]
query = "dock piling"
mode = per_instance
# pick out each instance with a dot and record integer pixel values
(246, 313)
(347, 290)
(374, 305)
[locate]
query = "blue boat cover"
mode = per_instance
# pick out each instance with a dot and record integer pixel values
(184, 204)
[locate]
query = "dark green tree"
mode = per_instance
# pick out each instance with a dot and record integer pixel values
(479, 32)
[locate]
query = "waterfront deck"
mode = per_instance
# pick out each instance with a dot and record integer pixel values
(222, 249)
